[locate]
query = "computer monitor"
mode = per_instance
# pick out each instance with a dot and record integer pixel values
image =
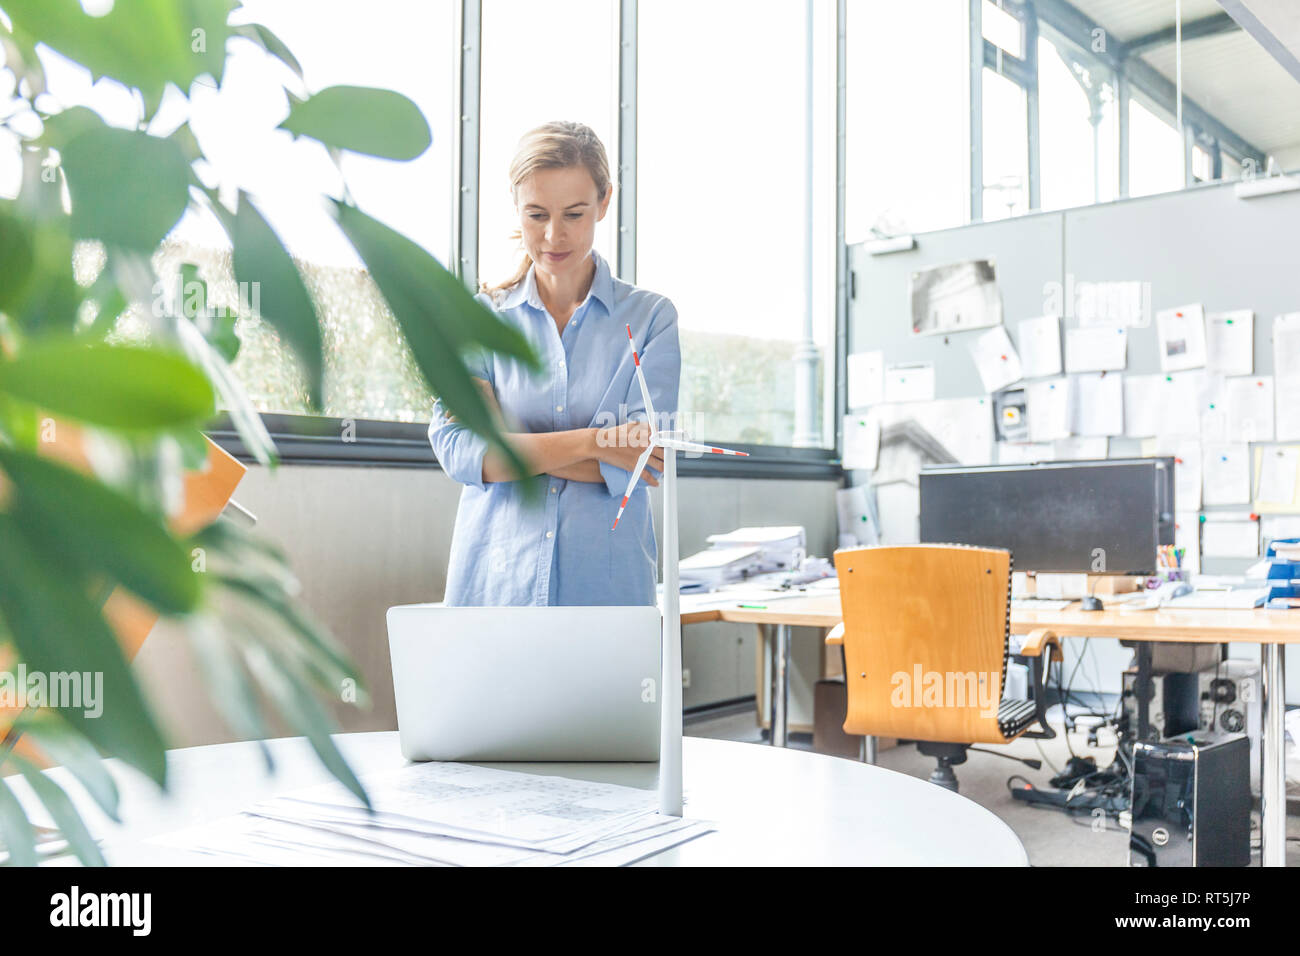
(1099, 517)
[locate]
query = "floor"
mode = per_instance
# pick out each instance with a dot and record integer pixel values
(1050, 837)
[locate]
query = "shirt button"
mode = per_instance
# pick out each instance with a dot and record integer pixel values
(554, 489)
(550, 534)
(559, 408)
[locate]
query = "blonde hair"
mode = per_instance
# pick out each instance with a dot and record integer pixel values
(557, 145)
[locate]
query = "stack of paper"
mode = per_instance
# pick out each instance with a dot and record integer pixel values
(448, 814)
(715, 567)
(781, 548)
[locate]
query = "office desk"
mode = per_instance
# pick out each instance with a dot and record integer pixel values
(772, 806)
(1271, 630)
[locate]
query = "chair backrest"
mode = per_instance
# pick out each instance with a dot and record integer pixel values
(925, 640)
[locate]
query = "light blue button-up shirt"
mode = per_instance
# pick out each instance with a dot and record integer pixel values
(561, 550)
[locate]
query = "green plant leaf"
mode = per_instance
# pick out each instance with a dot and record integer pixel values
(78, 756)
(439, 319)
(45, 300)
(269, 42)
(303, 712)
(111, 308)
(363, 120)
(92, 526)
(142, 43)
(65, 126)
(327, 660)
(17, 256)
(128, 188)
(17, 834)
(261, 261)
(64, 814)
(230, 687)
(57, 629)
(114, 386)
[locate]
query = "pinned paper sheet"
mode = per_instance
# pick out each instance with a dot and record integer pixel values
(1040, 346)
(1181, 336)
(1250, 407)
(963, 426)
(1273, 527)
(1187, 537)
(996, 359)
(1142, 405)
(1286, 374)
(1230, 342)
(1186, 453)
(1024, 453)
(1225, 476)
(1277, 476)
(1179, 401)
(1080, 449)
(1229, 539)
(1048, 406)
(861, 442)
(1213, 408)
(1100, 349)
(866, 379)
(1010, 416)
(1097, 404)
(913, 382)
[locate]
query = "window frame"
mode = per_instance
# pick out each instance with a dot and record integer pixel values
(318, 440)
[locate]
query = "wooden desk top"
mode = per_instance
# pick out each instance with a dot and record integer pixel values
(1199, 625)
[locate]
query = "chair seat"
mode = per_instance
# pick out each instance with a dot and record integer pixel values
(1014, 716)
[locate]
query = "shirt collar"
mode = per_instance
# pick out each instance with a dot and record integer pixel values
(602, 288)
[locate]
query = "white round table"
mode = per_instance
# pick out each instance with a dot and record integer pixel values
(772, 806)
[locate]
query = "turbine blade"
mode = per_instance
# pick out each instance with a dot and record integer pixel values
(640, 380)
(696, 446)
(631, 485)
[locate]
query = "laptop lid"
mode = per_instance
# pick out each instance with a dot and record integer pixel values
(526, 683)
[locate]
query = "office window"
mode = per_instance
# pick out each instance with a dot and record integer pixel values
(1002, 29)
(735, 222)
(1079, 152)
(542, 60)
(1006, 147)
(908, 117)
(403, 45)
(1202, 164)
(1231, 167)
(1155, 153)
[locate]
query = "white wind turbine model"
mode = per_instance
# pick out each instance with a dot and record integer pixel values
(670, 677)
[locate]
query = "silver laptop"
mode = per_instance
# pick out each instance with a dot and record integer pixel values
(526, 683)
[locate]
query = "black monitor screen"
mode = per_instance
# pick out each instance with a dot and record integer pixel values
(1105, 517)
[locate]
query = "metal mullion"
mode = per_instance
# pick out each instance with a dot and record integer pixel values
(627, 144)
(469, 103)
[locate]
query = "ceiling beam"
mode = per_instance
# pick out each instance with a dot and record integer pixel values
(1192, 30)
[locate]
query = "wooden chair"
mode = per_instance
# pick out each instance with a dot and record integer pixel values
(924, 639)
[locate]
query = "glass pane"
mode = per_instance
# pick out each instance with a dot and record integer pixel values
(1006, 147)
(724, 223)
(1076, 129)
(1002, 29)
(908, 123)
(1155, 153)
(543, 60)
(404, 45)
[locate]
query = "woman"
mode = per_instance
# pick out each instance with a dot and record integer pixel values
(580, 422)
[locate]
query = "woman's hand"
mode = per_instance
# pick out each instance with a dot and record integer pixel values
(622, 445)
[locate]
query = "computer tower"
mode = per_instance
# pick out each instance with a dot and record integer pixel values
(1171, 704)
(1191, 801)
(1228, 703)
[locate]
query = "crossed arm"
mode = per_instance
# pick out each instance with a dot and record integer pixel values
(574, 454)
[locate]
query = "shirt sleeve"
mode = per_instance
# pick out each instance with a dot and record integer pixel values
(458, 449)
(661, 361)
